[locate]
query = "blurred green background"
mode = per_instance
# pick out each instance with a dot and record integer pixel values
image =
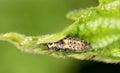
(39, 17)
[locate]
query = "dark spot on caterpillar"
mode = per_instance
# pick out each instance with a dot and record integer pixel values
(69, 43)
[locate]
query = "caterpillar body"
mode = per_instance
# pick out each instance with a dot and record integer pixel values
(69, 43)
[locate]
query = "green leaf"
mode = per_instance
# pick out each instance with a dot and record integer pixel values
(98, 25)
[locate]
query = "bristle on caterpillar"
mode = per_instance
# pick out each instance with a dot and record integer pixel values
(70, 43)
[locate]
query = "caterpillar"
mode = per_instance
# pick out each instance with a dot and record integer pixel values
(69, 43)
